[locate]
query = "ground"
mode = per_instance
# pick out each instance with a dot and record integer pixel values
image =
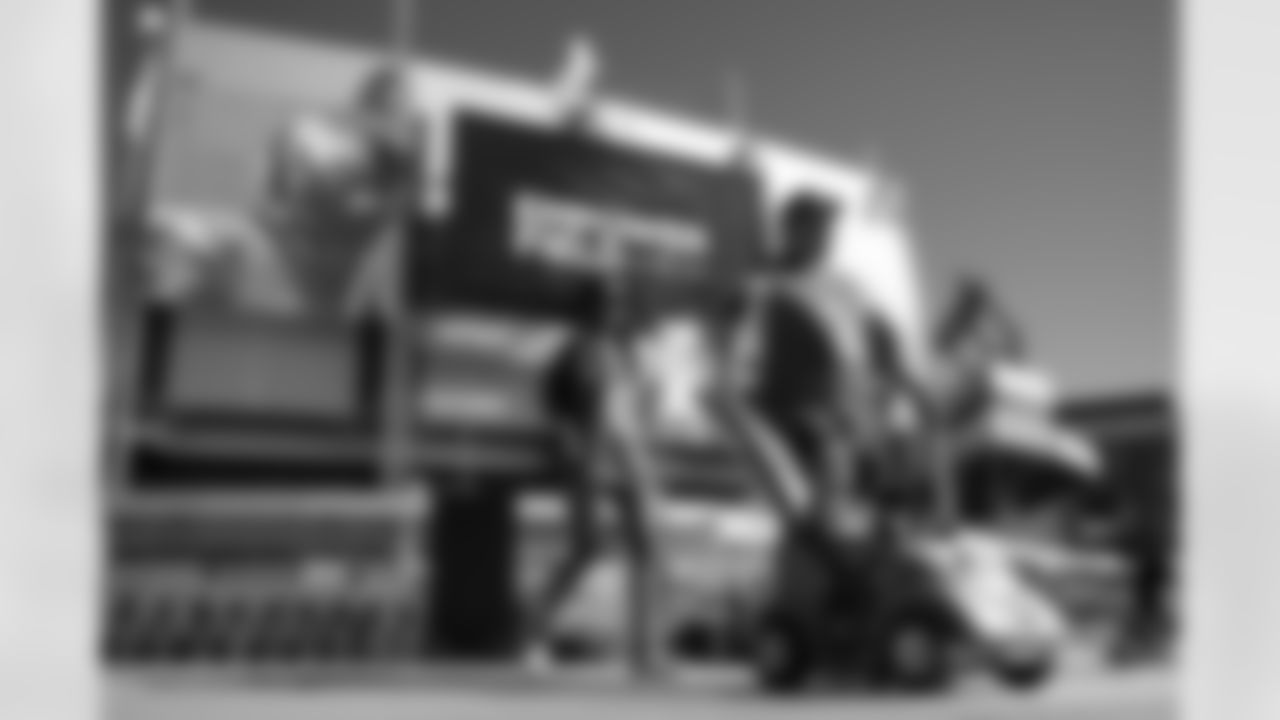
(480, 695)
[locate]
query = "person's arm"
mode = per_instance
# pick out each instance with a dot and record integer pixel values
(776, 470)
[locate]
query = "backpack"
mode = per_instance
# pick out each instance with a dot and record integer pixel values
(570, 389)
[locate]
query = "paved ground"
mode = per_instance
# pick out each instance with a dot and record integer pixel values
(483, 695)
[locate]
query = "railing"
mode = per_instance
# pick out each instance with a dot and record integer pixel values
(298, 579)
(317, 615)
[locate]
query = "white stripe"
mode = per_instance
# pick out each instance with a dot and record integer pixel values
(1023, 385)
(1039, 435)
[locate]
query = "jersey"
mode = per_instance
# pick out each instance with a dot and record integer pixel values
(329, 185)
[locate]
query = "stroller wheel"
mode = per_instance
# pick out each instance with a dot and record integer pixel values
(781, 657)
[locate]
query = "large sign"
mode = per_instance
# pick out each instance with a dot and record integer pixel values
(536, 211)
(484, 372)
(301, 236)
(261, 287)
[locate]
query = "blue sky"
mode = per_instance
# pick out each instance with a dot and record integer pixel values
(1036, 137)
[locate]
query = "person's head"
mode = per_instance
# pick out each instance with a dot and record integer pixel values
(806, 224)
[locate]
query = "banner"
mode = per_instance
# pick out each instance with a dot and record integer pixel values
(261, 208)
(538, 211)
(484, 373)
(262, 296)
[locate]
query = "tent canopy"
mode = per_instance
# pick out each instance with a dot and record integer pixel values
(1038, 437)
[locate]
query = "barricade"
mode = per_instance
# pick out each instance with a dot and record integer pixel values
(255, 579)
(184, 618)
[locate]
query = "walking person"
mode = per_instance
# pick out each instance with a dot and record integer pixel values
(809, 402)
(810, 382)
(598, 406)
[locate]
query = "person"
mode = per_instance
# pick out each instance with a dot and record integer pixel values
(335, 183)
(812, 384)
(350, 163)
(810, 406)
(598, 406)
(338, 183)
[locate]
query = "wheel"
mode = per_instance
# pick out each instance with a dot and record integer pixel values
(918, 654)
(695, 641)
(781, 657)
(574, 647)
(1026, 674)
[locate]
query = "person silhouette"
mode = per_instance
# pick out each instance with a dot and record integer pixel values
(600, 409)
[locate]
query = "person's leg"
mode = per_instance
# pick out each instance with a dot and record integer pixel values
(639, 512)
(1148, 589)
(582, 547)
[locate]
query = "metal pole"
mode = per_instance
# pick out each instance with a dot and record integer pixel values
(145, 128)
(403, 31)
(392, 461)
(738, 107)
(937, 395)
(397, 461)
(943, 467)
(162, 32)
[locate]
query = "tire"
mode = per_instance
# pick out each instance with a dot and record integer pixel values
(781, 657)
(576, 647)
(1026, 675)
(696, 642)
(918, 654)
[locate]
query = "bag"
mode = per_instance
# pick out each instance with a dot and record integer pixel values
(571, 386)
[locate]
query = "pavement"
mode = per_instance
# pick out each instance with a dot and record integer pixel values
(481, 693)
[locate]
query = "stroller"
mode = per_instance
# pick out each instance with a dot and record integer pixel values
(876, 598)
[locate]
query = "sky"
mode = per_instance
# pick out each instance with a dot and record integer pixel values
(1036, 138)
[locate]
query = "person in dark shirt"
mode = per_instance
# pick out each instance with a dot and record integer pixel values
(812, 384)
(598, 407)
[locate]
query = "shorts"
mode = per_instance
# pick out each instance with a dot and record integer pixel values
(584, 464)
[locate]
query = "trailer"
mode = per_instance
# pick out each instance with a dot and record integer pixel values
(271, 447)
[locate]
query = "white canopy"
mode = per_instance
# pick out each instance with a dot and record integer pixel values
(1038, 436)
(1022, 385)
